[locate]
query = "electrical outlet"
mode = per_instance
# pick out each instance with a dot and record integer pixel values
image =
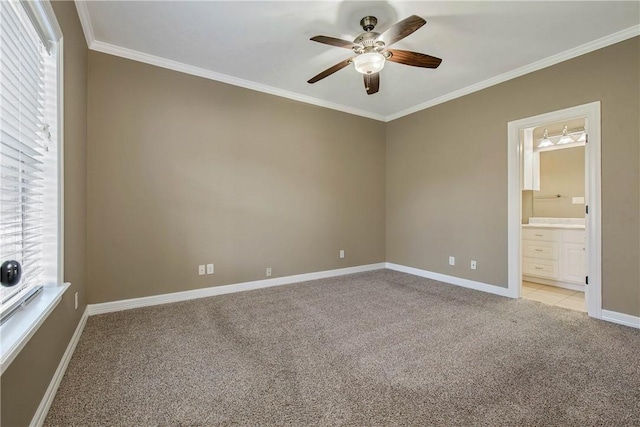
(76, 300)
(341, 253)
(209, 268)
(452, 260)
(473, 264)
(201, 270)
(268, 271)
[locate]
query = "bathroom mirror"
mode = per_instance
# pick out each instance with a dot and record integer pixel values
(560, 171)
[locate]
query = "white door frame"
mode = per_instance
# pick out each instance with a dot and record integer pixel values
(591, 111)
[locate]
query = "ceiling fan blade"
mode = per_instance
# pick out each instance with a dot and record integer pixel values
(372, 83)
(339, 66)
(334, 41)
(401, 30)
(414, 59)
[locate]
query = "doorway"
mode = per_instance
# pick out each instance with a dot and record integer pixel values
(520, 159)
(553, 214)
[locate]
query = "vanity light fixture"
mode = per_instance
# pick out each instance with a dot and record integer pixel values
(583, 137)
(575, 137)
(545, 141)
(565, 139)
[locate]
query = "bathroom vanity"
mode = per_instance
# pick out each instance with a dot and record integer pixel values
(554, 252)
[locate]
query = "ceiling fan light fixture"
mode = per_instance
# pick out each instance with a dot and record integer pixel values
(371, 53)
(369, 63)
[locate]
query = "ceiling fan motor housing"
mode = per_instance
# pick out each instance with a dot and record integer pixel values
(367, 43)
(368, 23)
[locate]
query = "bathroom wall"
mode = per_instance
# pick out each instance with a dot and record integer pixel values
(561, 173)
(527, 205)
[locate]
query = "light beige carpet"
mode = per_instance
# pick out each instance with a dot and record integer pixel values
(380, 348)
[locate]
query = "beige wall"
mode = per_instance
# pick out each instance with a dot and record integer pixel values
(25, 381)
(447, 172)
(561, 172)
(527, 205)
(185, 171)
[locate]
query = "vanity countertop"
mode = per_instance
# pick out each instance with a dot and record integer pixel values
(567, 226)
(568, 223)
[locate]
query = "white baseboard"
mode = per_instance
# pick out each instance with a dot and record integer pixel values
(621, 318)
(607, 315)
(47, 399)
(108, 307)
(471, 284)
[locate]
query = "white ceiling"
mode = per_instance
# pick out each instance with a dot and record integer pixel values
(264, 45)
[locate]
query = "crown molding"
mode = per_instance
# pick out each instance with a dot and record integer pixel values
(224, 78)
(85, 22)
(93, 44)
(535, 66)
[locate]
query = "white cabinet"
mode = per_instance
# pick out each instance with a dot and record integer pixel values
(540, 268)
(540, 252)
(545, 250)
(554, 254)
(541, 234)
(573, 258)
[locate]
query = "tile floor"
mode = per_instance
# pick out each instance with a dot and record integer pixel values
(552, 295)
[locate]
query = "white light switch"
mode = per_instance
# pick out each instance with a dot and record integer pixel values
(201, 270)
(474, 264)
(341, 253)
(452, 260)
(209, 268)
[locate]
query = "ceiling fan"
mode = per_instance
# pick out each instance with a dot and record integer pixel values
(372, 50)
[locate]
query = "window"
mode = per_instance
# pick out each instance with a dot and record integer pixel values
(29, 149)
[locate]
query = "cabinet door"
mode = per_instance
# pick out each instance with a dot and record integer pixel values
(573, 263)
(574, 236)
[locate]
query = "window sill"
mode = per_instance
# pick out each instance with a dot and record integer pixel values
(16, 331)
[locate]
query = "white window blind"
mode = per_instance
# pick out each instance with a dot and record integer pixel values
(28, 155)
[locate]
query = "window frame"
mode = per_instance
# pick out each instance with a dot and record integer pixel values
(16, 331)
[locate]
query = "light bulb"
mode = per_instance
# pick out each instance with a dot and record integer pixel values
(565, 139)
(545, 141)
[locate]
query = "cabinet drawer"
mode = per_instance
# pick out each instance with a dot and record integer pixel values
(540, 267)
(535, 249)
(574, 236)
(546, 234)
